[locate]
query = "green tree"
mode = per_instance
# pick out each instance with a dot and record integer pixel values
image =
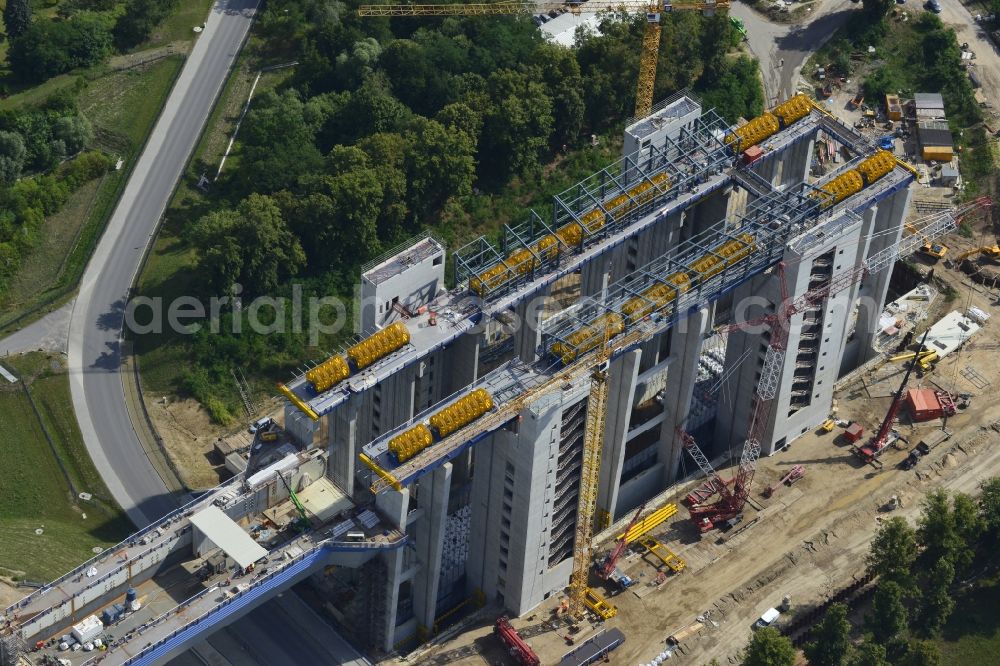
(877, 9)
(970, 527)
(893, 552)
(831, 642)
(936, 602)
(277, 143)
(560, 72)
(921, 653)
(12, 154)
(49, 48)
(887, 621)
(250, 245)
(441, 163)
(767, 647)
(139, 20)
(937, 531)
(869, 653)
(17, 17)
(989, 504)
(74, 131)
(518, 125)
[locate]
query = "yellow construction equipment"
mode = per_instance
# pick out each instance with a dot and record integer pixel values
(650, 38)
(462, 412)
(377, 346)
(580, 594)
(827, 426)
(989, 251)
(664, 554)
(925, 359)
(932, 249)
(596, 603)
(649, 523)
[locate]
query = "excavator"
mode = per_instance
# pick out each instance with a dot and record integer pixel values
(302, 523)
(930, 248)
(988, 251)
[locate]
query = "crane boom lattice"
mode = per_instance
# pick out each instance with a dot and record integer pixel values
(593, 442)
(732, 501)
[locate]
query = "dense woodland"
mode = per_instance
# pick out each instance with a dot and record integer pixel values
(41, 158)
(36, 174)
(388, 127)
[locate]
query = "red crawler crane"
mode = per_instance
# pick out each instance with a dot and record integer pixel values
(607, 567)
(733, 494)
(516, 647)
(870, 452)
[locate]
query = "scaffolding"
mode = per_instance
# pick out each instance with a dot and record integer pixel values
(601, 205)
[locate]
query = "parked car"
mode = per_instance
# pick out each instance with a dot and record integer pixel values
(933, 5)
(768, 619)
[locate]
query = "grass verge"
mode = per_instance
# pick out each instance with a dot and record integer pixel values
(34, 492)
(179, 26)
(972, 635)
(123, 107)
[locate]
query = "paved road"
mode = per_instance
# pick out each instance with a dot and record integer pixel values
(48, 334)
(284, 631)
(782, 49)
(96, 322)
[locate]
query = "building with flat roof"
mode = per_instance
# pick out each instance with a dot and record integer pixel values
(935, 141)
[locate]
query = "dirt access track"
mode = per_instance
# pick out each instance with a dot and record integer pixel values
(809, 541)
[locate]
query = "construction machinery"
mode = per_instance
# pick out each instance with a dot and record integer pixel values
(794, 474)
(302, 523)
(581, 596)
(988, 251)
(876, 446)
(827, 426)
(516, 646)
(925, 359)
(606, 570)
(739, 26)
(734, 493)
(653, 10)
(930, 248)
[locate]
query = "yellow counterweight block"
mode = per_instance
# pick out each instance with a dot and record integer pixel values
(328, 373)
(589, 337)
(489, 280)
(547, 247)
(753, 132)
(655, 298)
(840, 188)
(722, 256)
(383, 343)
(877, 166)
(793, 109)
(462, 412)
(407, 444)
(572, 233)
(522, 261)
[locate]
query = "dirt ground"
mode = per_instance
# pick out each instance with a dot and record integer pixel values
(9, 593)
(189, 437)
(810, 539)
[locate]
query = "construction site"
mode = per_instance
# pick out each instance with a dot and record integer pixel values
(634, 422)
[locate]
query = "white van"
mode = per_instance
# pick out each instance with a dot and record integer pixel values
(769, 617)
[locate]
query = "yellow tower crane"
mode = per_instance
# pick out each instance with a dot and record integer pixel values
(650, 38)
(580, 595)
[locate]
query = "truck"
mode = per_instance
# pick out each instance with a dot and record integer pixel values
(622, 579)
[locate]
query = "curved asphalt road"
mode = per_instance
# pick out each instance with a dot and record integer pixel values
(98, 314)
